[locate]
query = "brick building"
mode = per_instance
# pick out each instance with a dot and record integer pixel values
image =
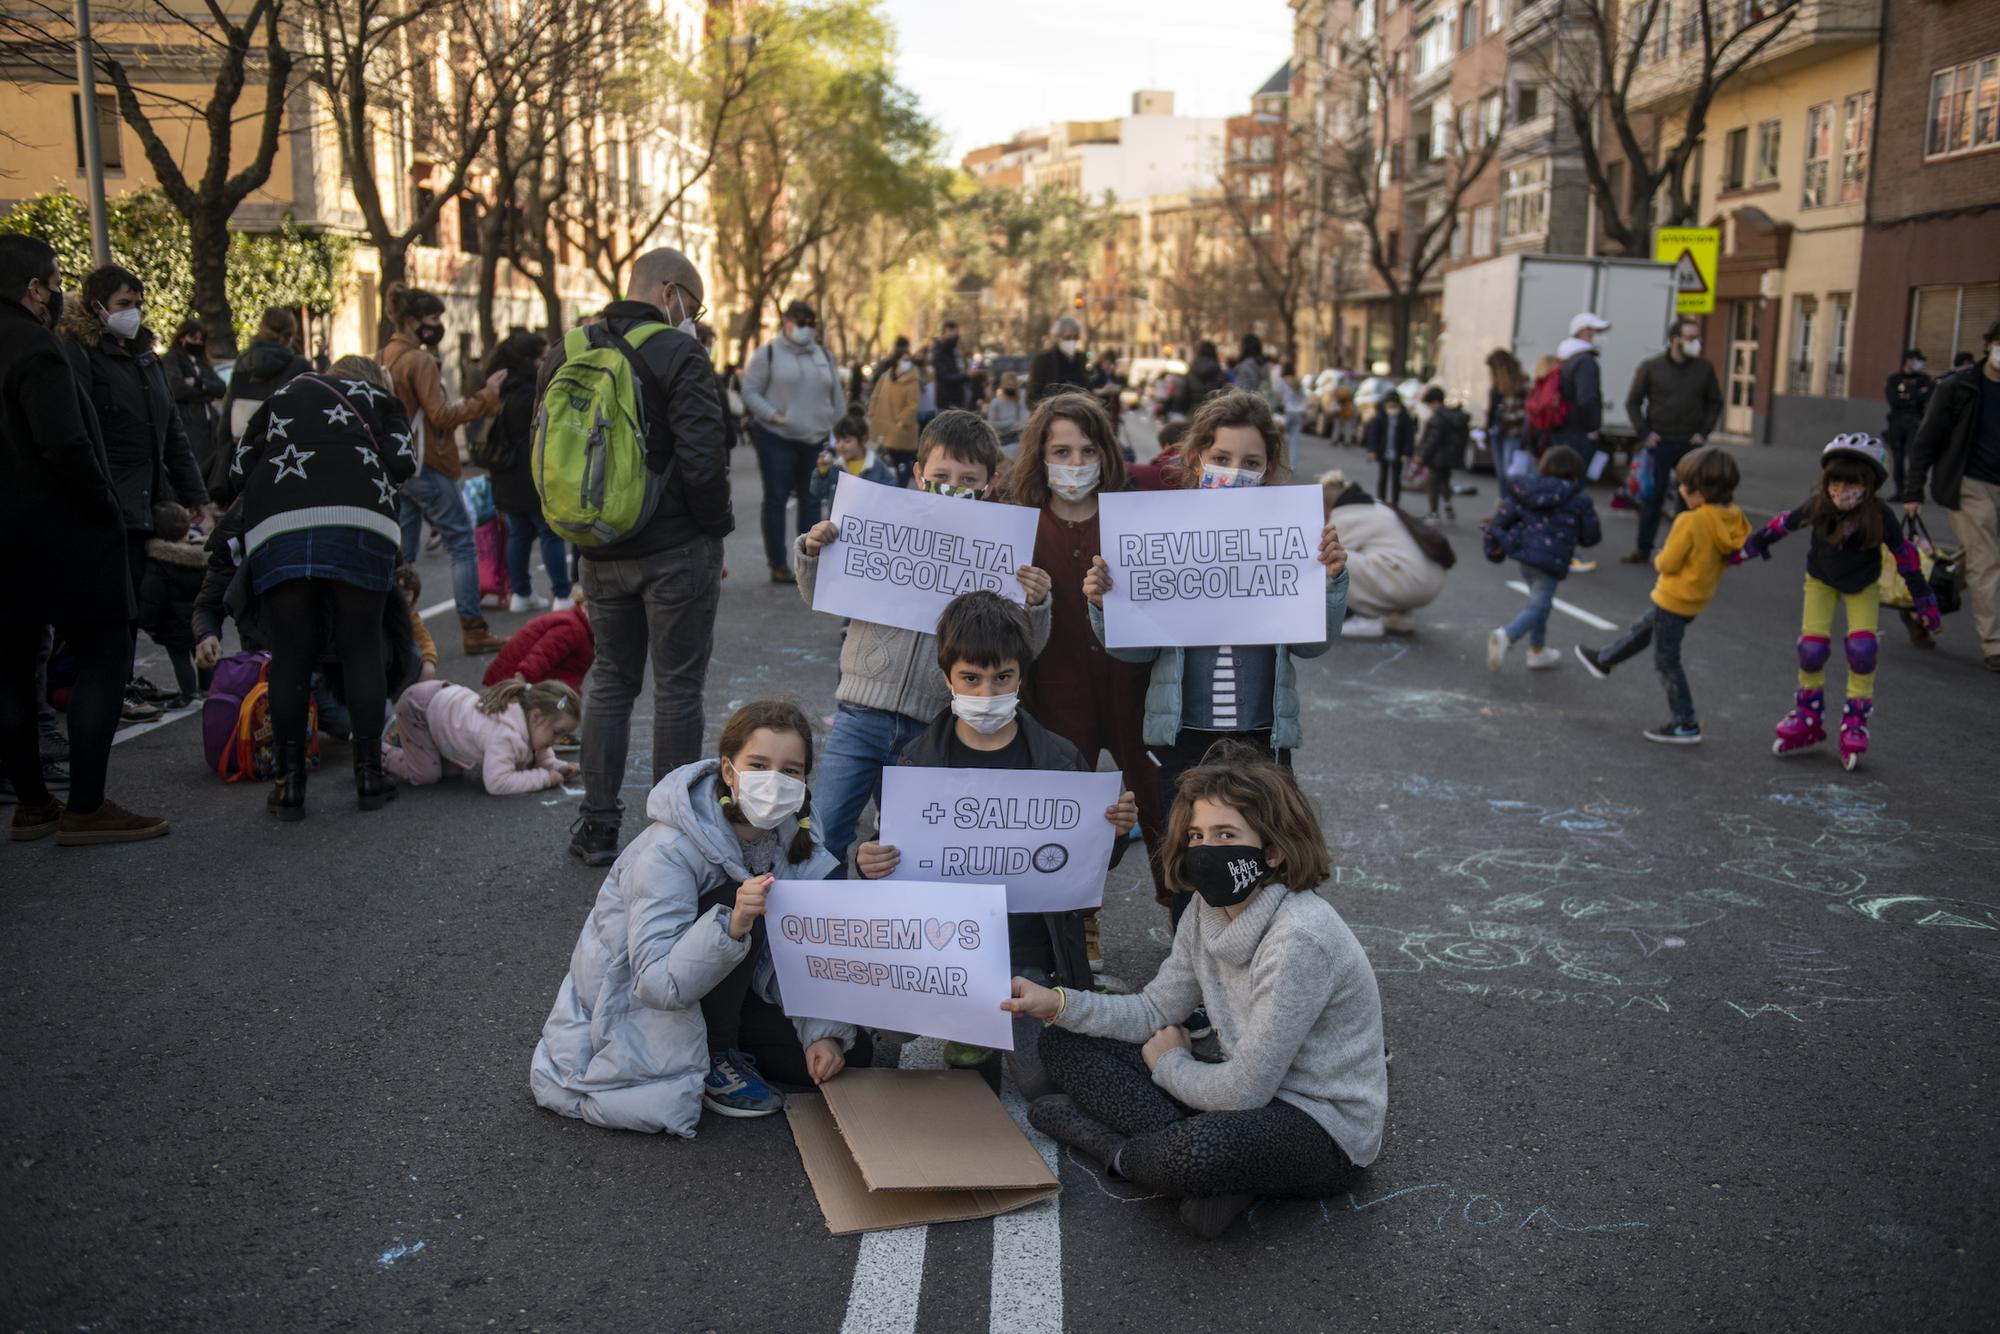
(1930, 252)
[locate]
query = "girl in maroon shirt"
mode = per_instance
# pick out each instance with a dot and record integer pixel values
(1069, 457)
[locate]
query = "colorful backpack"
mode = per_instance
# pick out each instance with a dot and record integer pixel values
(1546, 409)
(236, 723)
(590, 436)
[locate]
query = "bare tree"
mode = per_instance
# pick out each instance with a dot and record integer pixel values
(240, 45)
(434, 61)
(1594, 73)
(1276, 234)
(1404, 247)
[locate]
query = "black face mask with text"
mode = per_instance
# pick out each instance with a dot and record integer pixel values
(1224, 875)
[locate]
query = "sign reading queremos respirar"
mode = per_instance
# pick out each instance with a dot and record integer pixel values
(1196, 567)
(1040, 832)
(902, 555)
(910, 956)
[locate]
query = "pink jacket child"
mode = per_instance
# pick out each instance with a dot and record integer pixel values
(506, 735)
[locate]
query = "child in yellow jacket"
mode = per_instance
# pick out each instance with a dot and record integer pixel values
(1706, 534)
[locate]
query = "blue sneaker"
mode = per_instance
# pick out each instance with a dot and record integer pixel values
(734, 1088)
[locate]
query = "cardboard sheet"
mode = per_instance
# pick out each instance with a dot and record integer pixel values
(899, 1148)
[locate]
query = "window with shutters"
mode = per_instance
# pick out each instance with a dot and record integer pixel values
(1945, 321)
(110, 147)
(1857, 121)
(1819, 155)
(1840, 307)
(1769, 141)
(1965, 108)
(1805, 318)
(1735, 159)
(1524, 199)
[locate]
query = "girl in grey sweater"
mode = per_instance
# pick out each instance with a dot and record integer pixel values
(1296, 1106)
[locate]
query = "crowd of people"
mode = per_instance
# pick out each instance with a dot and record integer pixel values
(293, 501)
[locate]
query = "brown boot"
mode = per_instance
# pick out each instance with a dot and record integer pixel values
(109, 823)
(33, 822)
(478, 639)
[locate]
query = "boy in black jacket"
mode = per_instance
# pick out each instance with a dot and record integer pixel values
(1442, 447)
(982, 644)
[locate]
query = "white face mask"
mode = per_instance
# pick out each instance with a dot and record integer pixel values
(1223, 479)
(1690, 347)
(1916, 365)
(802, 336)
(766, 798)
(1993, 356)
(1074, 481)
(125, 323)
(985, 714)
(1068, 347)
(904, 366)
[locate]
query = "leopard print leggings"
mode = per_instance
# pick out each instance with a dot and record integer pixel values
(1171, 1148)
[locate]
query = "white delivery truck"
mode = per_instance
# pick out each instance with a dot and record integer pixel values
(1524, 303)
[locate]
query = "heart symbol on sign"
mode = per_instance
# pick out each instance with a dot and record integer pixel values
(939, 933)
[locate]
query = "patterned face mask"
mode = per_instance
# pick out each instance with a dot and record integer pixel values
(948, 489)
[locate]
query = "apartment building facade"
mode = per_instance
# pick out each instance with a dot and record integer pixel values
(1930, 248)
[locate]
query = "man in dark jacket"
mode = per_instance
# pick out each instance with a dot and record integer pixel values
(948, 368)
(1581, 382)
(1674, 403)
(656, 592)
(57, 503)
(1957, 449)
(111, 354)
(1909, 393)
(1060, 365)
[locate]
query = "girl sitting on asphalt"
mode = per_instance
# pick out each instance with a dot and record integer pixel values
(1296, 1106)
(671, 1000)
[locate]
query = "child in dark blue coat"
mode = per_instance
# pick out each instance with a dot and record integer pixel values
(1541, 522)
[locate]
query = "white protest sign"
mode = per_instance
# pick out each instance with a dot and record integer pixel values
(923, 958)
(902, 555)
(1043, 833)
(1228, 566)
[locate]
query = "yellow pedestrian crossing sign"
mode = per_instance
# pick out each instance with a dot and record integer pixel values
(1693, 251)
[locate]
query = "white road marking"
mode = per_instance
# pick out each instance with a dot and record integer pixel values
(127, 733)
(1027, 1248)
(1594, 621)
(140, 729)
(889, 1268)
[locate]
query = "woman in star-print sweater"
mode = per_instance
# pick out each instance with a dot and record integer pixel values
(316, 474)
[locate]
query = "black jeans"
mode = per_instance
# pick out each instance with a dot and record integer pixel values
(1185, 753)
(295, 616)
(1388, 480)
(1666, 497)
(659, 607)
(1664, 630)
(741, 1020)
(1440, 488)
(1902, 429)
(1169, 1147)
(103, 654)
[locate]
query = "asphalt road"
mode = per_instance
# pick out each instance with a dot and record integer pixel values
(1684, 1038)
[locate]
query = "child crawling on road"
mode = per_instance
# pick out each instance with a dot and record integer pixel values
(1297, 1104)
(507, 735)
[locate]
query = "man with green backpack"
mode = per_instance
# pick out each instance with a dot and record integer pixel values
(631, 459)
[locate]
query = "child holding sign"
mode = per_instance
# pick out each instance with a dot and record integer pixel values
(887, 692)
(1069, 455)
(983, 644)
(1297, 1104)
(670, 1001)
(1198, 696)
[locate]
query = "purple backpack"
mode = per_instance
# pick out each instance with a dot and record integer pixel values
(235, 677)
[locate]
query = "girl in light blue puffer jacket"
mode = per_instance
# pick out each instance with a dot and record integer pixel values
(671, 1001)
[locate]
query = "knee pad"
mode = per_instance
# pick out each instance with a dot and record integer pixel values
(1861, 647)
(1814, 650)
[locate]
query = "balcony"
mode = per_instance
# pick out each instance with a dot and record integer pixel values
(1812, 30)
(1535, 135)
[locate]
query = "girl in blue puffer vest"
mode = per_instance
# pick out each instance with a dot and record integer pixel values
(1541, 522)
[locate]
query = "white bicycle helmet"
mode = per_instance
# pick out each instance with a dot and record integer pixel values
(1858, 445)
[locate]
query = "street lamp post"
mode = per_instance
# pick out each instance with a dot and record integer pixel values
(93, 156)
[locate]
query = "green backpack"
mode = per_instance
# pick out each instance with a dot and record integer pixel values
(590, 437)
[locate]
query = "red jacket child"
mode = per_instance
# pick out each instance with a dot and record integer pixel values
(555, 647)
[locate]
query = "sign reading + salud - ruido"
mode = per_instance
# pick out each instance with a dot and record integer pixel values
(902, 555)
(1042, 833)
(1190, 568)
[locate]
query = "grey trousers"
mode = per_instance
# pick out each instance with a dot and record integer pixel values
(660, 607)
